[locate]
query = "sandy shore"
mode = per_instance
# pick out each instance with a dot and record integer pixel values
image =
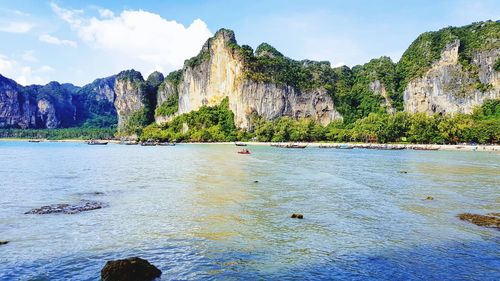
(462, 147)
(447, 147)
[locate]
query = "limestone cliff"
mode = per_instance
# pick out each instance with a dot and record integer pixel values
(449, 88)
(14, 110)
(55, 105)
(218, 72)
(128, 92)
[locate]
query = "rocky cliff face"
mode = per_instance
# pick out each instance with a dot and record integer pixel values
(53, 105)
(128, 95)
(379, 89)
(448, 88)
(219, 74)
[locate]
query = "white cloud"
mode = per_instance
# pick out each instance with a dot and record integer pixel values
(70, 16)
(16, 27)
(29, 56)
(22, 74)
(139, 39)
(14, 12)
(45, 68)
(105, 13)
(56, 41)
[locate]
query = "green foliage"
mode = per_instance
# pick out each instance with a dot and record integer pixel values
(171, 105)
(168, 107)
(131, 75)
(287, 129)
(269, 65)
(496, 66)
(59, 134)
(207, 124)
(352, 95)
(136, 121)
(155, 79)
(101, 121)
(203, 56)
(483, 126)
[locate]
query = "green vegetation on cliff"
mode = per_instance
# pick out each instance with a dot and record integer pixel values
(148, 95)
(269, 65)
(171, 105)
(427, 48)
(204, 125)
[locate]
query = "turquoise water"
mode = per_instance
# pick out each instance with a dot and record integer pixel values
(195, 212)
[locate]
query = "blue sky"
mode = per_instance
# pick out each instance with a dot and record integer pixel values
(78, 41)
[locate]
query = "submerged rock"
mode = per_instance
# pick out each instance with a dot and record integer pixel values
(481, 220)
(429, 198)
(131, 269)
(297, 216)
(3, 242)
(82, 206)
(403, 172)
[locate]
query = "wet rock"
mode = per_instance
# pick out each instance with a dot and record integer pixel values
(3, 242)
(429, 198)
(82, 206)
(403, 172)
(255, 181)
(493, 214)
(481, 220)
(297, 216)
(131, 269)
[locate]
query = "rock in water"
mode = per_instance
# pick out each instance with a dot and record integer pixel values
(82, 206)
(486, 221)
(3, 242)
(297, 216)
(131, 269)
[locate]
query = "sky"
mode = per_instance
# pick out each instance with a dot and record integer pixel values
(79, 41)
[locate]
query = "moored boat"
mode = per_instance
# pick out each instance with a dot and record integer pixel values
(290, 145)
(240, 144)
(345, 146)
(244, 151)
(93, 142)
(166, 144)
(148, 143)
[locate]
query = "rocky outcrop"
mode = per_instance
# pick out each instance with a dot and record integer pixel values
(219, 73)
(47, 114)
(128, 92)
(379, 89)
(131, 269)
(448, 88)
(82, 206)
(490, 220)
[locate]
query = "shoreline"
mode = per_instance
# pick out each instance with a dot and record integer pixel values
(324, 145)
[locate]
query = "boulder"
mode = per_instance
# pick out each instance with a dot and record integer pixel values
(130, 269)
(297, 216)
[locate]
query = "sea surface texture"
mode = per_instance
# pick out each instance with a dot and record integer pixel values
(206, 212)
